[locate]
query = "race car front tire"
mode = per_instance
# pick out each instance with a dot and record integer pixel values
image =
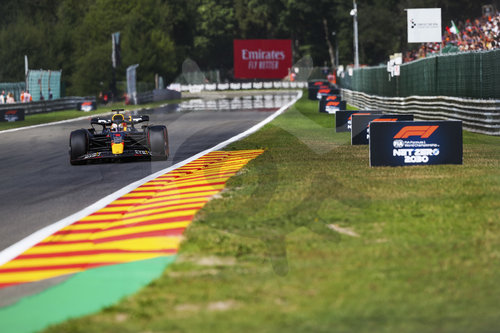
(78, 145)
(158, 142)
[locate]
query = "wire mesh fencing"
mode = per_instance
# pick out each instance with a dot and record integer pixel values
(469, 75)
(43, 84)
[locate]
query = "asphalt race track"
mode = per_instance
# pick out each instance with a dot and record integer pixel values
(40, 187)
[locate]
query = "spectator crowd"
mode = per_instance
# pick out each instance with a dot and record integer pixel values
(24, 97)
(472, 35)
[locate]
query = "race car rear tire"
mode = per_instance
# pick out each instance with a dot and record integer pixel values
(78, 145)
(158, 143)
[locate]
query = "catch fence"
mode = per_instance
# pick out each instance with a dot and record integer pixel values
(465, 75)
(460, 86)
(41, 83)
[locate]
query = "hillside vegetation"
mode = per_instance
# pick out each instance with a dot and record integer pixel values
(75, 35)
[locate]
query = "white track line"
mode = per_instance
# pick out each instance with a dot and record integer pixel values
(16, 249)
(50, 124)
(68, 120)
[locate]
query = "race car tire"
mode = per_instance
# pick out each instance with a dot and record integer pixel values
(158, 143)
(78, 145)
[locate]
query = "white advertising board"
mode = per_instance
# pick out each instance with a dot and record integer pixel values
(424, 25)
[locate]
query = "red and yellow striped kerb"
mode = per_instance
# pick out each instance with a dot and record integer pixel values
(147, 222)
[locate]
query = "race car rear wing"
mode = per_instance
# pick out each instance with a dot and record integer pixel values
(104, 122)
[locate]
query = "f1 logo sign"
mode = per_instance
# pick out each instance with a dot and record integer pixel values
(359, 114)
(383, 119)
(422, 131)
(405, 143)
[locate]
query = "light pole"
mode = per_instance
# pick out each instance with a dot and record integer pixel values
(354, 14)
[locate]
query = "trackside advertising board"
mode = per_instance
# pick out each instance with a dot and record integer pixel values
(424, 25)
(315, 83)
(416, 143)
(360, 133)
(86, 106)
(313, 87)
(327, 92)
(343, 119)
(12, 115)
(331, 104)
(262, 58)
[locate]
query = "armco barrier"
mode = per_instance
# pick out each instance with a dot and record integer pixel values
(477, 115)
(66, 103)
(70, 103)
(195, 88)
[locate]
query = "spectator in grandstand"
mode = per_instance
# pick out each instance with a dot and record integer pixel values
(21, 96)
(50, 95)
(473, 35)
(27, 97)
(10, 98)
(2, 97)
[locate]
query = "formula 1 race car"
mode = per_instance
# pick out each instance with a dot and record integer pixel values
(118, 139)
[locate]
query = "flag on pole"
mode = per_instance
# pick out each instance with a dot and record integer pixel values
(454, 28)
(116, 49)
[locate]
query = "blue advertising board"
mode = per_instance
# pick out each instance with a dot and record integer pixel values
(319, 88)
(416, 143)
(331, 104)
(360, 133)
(12, 115)
(343, 119)
(314, 86)
(86, 106)
(322, 92)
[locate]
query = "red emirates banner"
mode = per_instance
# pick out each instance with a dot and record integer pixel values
(262, 58)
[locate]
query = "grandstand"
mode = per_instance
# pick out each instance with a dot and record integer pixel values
(460, 81)
(478, 34)
(13, 87)
(40, 81)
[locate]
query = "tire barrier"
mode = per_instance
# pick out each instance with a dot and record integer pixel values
(477, 115)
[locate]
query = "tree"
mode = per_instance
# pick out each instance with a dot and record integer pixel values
(75, 35)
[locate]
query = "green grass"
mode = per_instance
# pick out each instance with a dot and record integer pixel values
(43, 118)
(263, 259)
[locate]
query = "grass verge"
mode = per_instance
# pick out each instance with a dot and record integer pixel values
(309, 238)
(49, 117)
